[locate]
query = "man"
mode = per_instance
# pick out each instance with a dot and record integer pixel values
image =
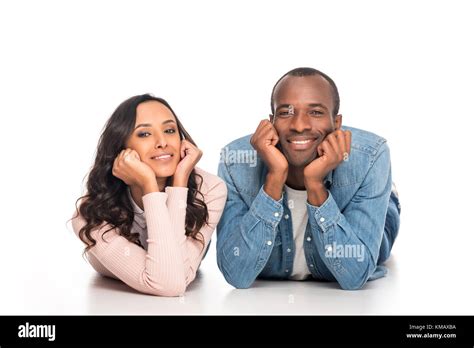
(318, 203)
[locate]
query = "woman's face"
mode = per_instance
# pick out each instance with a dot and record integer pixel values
(156, 138)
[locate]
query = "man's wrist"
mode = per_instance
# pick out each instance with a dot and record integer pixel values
(274, 185)
(317, 193)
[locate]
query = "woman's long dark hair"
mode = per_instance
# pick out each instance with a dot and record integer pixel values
(107, 199)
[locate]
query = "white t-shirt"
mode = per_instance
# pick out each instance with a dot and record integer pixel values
(299, 218)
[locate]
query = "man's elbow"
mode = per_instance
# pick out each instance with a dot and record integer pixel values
(237, 280)
(353, 282)
(241, 284)
(352, 285)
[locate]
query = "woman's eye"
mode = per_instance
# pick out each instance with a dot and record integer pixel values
(143, 134)
(170, 131)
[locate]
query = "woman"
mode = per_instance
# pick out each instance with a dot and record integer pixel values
(148, 213)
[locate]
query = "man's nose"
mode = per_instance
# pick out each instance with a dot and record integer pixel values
(300, 122)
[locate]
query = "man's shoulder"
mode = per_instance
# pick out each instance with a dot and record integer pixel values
(365, 141)
(366, 148)
(242, 165)
(242, 143)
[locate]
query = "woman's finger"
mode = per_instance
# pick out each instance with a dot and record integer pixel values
(135, 155)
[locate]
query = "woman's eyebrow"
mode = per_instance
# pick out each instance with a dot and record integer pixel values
(143, 125)
(169, 121)
(150, 125)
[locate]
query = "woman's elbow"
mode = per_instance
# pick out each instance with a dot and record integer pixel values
(170, 289)
(174, 292)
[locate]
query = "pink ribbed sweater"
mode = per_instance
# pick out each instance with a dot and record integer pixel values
(171, 260)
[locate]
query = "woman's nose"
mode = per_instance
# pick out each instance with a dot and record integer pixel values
(160, 142)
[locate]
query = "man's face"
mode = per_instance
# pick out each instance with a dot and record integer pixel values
(303, 117)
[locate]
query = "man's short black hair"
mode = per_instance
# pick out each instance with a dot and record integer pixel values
(300, 72)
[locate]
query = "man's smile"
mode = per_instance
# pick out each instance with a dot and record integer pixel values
(301, 143)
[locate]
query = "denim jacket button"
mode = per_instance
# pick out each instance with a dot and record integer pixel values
(288, 250)
(269, 242)
(287, 216)
(276, 214)
(308, 239)
(322, 219)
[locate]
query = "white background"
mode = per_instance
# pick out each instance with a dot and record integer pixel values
(404, 70)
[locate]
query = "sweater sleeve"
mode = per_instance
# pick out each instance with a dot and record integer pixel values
(192, 250)
(172, 258)
(158, 271)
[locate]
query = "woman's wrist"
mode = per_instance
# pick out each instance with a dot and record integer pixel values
(149, 186)
(180, 181)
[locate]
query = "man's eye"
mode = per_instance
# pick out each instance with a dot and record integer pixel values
(144, 134)
(170, 131)
(315, 113)
(283, 113)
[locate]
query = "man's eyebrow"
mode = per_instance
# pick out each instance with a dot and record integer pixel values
(149, 124)
(313, 105)
(281, 106)
(318, 105)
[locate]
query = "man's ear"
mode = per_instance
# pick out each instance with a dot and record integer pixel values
(338, 122)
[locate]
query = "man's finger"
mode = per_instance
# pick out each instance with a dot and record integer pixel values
(320, 150)
(261, 125)
(348, 140)
(341, 142)
(273, 135)
(329, 150)
(331, 138)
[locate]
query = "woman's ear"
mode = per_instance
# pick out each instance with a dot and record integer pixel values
(338, 122)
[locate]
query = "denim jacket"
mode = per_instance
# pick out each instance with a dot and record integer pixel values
(255, 234)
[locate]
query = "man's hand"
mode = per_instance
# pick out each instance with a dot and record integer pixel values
(264, 140)
(332, 151)
(130, 169)
(190, 156)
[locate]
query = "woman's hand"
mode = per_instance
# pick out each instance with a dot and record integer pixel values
(130, 169)
(190, 156)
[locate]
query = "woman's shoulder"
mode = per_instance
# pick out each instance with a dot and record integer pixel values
(211, 182)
